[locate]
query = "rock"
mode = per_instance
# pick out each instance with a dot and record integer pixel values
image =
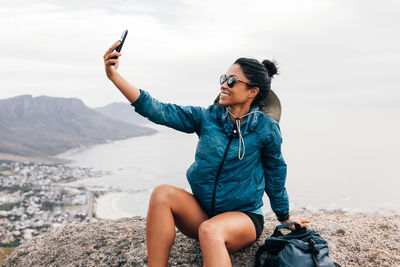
(340, 232)
(123, 243)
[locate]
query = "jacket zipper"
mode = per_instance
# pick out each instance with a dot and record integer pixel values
(219, 173)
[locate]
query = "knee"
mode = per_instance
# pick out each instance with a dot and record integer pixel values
(209, 231)
(161, 194)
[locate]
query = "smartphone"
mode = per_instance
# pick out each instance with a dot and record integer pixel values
(118, 49)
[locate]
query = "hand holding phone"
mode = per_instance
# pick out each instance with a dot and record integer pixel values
(118, 49)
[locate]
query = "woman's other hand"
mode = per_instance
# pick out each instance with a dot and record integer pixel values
(111, 70)
(302, 222)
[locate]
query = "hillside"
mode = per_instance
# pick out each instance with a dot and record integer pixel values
(123, 112)
(46, 126)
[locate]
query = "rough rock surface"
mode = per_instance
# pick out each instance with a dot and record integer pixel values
(355, 240)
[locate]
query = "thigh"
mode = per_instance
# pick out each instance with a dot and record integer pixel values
(187, 212)
(236, 228)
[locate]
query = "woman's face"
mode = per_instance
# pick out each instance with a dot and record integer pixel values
(239, 94)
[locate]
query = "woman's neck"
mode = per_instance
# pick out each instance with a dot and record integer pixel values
(238, 111)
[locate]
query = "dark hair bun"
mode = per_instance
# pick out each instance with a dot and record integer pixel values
(271, 67)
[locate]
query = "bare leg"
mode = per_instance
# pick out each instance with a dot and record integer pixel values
(169, 205)
(229, 231)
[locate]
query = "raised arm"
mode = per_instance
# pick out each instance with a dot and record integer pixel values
(182, 118)
(128, 90)
(275, 173)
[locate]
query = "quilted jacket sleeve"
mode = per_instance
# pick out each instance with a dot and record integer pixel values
(182, 118)
(275, 173)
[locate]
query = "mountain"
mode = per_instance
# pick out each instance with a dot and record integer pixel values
(46, 126)
(123, 112)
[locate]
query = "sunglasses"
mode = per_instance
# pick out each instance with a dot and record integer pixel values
(231, 80)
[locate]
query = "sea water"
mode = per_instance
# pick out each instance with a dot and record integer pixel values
(345, 160)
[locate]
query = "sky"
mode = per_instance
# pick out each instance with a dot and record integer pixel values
(330, 52)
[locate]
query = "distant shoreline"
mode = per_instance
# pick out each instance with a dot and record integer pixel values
(45, 160)
(72, 150)
(58, 159)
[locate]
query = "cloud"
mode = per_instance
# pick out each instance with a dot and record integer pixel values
(181, 47)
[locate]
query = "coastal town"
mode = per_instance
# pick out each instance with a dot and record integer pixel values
(36, 197)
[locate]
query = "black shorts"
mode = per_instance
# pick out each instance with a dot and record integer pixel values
(258, 221)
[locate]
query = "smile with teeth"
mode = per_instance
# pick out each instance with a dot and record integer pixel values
(225, 94)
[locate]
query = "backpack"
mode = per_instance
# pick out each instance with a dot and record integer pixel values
(301, 247)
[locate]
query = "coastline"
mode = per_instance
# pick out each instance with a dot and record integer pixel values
(105, 206)
(58, 158)
(45, 160)
(71, 151)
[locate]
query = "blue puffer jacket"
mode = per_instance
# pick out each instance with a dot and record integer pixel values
(240, 184)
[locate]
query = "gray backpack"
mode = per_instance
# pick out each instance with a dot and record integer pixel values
(301, 247)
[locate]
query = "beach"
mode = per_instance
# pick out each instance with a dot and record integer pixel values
(105, 207)
(115, 205)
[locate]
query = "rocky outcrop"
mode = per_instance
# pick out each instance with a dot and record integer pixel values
(355, 240)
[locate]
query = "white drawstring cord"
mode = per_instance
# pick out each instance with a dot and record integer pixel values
(241, 140)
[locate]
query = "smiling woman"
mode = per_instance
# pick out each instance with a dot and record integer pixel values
(228, 181)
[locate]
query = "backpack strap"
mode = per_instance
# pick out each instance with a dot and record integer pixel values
(314, 251)
(277, 231)
(259, 252)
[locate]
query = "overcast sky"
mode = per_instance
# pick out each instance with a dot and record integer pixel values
(331, 50)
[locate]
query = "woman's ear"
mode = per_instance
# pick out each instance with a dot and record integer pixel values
(253, 92)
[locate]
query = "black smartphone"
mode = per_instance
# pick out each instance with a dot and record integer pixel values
(118, 49)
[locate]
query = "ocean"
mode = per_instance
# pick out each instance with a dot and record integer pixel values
(345, 160)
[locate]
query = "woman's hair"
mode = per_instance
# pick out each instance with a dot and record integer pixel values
(259, 75)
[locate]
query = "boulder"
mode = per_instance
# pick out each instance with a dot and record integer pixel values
(355, 240)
